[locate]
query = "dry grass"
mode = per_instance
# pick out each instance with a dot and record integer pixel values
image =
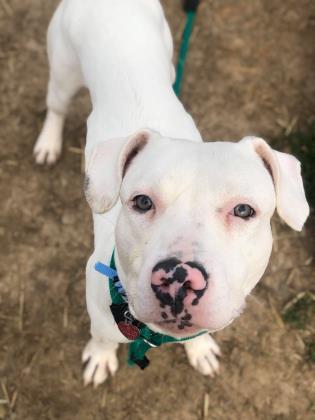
(250, 70)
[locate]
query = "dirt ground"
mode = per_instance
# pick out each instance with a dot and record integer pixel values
(251, 69)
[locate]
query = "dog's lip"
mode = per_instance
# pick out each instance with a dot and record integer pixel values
(166, 327)
(172, 329)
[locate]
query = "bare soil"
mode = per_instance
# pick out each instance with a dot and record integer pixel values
(251, 69)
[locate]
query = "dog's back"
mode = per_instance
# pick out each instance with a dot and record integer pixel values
(122, 51)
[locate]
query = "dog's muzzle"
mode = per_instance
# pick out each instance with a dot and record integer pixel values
(178, 286)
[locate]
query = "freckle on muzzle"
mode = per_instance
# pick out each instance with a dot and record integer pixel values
(178, 285)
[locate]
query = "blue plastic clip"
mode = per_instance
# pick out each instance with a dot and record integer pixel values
(105, 270)
(111, 274)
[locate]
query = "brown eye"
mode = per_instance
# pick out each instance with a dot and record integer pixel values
(142, 203)
(244, 211)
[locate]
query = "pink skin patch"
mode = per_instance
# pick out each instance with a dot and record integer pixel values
(178, 286)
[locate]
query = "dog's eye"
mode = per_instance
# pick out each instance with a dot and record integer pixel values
(142, 203)
(244, 211)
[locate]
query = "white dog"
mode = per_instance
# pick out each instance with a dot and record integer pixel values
(189, 221)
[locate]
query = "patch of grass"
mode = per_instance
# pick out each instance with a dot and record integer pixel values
(302, 146)
(300, 311)
(310, 351)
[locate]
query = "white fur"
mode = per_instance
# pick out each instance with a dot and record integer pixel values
(100, 359)
(48, 146)
(122, 50)
(202, 353)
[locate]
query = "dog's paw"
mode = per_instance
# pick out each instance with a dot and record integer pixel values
(203, 354)
(47, 150)
(99, 361)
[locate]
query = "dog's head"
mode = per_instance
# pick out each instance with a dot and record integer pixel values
(193, 236)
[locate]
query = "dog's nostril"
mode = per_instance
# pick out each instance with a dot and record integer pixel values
(187, 285)
(165, 281)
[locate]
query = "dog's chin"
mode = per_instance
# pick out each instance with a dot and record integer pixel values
(178, 330)
(167, 328)
(187, 331)
(173, 330)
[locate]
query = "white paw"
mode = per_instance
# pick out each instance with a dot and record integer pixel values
(202, 353)
(49, 143)
(47, 150)
(100, 359)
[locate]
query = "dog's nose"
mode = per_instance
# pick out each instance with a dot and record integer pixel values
(179, 284)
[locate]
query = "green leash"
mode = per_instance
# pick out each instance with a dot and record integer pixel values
(190, 6)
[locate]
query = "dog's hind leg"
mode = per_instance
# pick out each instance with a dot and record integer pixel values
(65, 80)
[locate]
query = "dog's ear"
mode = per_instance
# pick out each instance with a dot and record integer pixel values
(285, 171)
(107, 166)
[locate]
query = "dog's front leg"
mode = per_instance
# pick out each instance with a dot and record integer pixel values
(202, 353)
(100, 360)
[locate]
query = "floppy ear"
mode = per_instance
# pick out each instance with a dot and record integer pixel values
(106, 167)
(285, 170)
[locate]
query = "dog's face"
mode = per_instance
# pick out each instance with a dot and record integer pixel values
(193, 236)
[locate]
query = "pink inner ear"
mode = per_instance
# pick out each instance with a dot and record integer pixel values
(140, 141)
(268, 158)
(108, 163)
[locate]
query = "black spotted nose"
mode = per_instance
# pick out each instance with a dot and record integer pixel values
(173, 281)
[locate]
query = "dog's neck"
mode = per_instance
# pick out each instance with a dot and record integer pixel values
(137, 104)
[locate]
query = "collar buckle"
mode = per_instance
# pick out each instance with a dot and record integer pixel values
(148, 342)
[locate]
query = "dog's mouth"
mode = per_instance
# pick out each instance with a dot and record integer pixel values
(168, 328)
(181, 322)
(185, 326)
(180, 326)
(176, 327)
(190, 321)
